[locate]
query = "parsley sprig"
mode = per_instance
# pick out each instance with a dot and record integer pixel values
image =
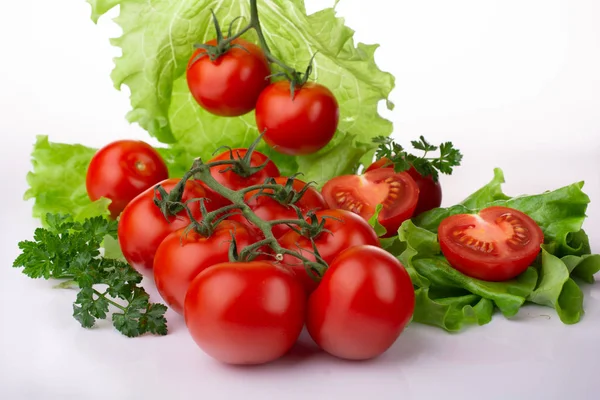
(448, 157)
(70, 250)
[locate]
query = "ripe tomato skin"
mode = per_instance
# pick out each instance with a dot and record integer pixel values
(245, 313)
(346, 230)
(363, 303)
(123, 169)
(142, 227)
(430, 191)
(300, 126)
(183, 255)
(230, 85)
(497, 245)
(236, 182)
(270, 209)
(396, 191)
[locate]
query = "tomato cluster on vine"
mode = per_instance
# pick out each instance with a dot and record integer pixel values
(250, 257)
(230, 77)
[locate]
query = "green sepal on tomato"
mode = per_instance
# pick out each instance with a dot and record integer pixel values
(185, 253)
(270, 209)
(300, 122)
(142, 225)
(228, 85)
(236, 180)
(341, 230)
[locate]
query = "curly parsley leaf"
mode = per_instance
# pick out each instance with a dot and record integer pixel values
(67, 249)
(449, 157)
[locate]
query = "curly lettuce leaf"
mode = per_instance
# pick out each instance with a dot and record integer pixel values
(451, 313)
(560, 213)
(558, 290)
(487, 194)
(57, 182)
(583, 267)
(157, 43)
(566, 256)
(424, 257)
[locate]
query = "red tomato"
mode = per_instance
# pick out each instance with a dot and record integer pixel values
(397, 192)
(297, 126)
(270, 209)
(122, 170)
(343, 230)
(234, 181)
(230, 85)
(183, 255)
(363, 303)
(430, 191)
(245, 313)
(496, 245)
(142, 226)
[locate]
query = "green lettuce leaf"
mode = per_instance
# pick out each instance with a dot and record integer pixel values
(57, 182)
(157, 42)
(451, 313)
(556, 289)
(487, 194)
(583, 267)
(566, 256)
(560, 213)
(424, 257)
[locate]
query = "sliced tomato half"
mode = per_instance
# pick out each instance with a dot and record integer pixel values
(497, 244)
(397, 192)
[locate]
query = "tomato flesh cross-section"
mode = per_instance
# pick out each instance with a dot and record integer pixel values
(497, 244)
(396, 192)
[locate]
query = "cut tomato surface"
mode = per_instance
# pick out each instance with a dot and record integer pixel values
(497, 244)
(430, 191)
(396, 192)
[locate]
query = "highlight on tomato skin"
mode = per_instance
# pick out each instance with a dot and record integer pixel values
(497, 244)
(397, 192)
(121, 170)
(301, 124)
(245, 313)
(183, 254)
(362, 305)
(343, 229)
(232, 180)
(269, 209)
(230, 85)
(142, 226)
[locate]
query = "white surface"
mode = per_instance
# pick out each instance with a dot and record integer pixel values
(514, 84)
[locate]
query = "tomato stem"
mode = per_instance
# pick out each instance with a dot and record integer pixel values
(202, 172)
(296, 78)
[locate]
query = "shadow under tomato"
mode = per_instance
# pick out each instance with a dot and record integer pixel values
(408, 347)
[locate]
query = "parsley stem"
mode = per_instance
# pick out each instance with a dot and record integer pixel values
(109, 301)
(70, 284)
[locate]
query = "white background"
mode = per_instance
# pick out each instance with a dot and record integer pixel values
(513, 83)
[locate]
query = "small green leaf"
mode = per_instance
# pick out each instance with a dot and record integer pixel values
(153, 320)
(423, 145)
(374, 222)
(86, 309)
